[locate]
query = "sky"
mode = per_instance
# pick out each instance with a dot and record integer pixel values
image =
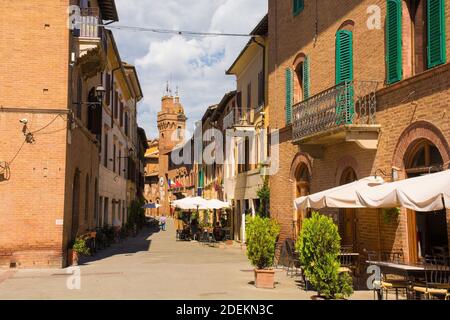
(196, 65)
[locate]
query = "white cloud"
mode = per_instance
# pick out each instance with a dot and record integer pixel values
(196, 64)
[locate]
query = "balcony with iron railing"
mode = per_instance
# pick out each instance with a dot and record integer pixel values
(345, 112)
(88, 32)
(239, 118)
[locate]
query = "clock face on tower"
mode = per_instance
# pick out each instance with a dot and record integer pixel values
(161, 182)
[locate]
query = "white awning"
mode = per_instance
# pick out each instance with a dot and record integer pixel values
(340, 197)
(217, 204)
(191, 203)
(194, 203)
(426, 193)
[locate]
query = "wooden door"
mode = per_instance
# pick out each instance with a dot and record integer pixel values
(349, 237)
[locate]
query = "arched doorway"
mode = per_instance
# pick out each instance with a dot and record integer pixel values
(427, 231)
(302, 188)
(347, 217)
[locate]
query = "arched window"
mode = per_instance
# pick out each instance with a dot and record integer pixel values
(75, 205)
(301, 78)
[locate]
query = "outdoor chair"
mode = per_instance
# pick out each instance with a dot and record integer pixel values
(389, 282)
(394, 282)
(373, 256)
(348, 263)
(437, 279)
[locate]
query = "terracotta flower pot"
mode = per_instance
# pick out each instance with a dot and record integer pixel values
(72, 257)
(265, 279)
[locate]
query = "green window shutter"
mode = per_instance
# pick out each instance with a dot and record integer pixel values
(436, 33)
(298, 6)
(344, 76)
(306, 79)
(289, 95)
(344, 56)
(394, 41)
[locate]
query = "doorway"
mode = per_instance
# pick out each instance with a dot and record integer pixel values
(427, 231)
(302, 178)
(348, 217)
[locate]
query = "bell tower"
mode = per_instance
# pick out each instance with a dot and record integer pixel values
(171, 121)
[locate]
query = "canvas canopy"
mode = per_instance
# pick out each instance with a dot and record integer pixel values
(217, 204)
(191, 203)
(424, 194)
(344, 196)
(194, 203)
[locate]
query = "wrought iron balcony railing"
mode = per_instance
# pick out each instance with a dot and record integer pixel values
(88, 23)
(352, 102)
(238, 117)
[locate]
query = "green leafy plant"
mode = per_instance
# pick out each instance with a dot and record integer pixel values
(262, 234)
(318, 246)
(80, 246)
(136, 215)
(264, 196)
(390, 215)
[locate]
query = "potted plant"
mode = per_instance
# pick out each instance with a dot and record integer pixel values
(79, 248)
(318, 246)
(262, 235)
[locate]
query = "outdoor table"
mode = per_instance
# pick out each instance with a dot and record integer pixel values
(410, 272)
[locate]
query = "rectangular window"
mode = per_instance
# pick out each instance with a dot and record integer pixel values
(261, 89)
(394, 41)
(120, 162)
(298, 6)
(126, 124)
(436, 33)
(116, 104)
(289, 95)
(114, 158)
(249, 96)
(121, 114)
(105, 153)
(108, 89)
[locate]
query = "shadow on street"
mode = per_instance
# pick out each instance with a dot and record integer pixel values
(129, 246)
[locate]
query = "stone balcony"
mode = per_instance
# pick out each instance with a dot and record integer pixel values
(343, 113)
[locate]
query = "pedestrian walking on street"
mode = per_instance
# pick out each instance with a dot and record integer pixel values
(163, 222)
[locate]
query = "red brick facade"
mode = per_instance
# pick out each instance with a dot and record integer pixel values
(414, 108)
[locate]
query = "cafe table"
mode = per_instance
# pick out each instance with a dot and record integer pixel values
(410, 272)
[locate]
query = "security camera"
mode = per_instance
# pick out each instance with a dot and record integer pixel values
(24, 121)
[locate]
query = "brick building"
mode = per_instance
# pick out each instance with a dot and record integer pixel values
(359, 88)
(49, 174)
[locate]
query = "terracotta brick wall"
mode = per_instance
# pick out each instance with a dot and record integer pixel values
(424, 98)
(36, 201)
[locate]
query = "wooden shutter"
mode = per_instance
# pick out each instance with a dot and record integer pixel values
(344, 56)
(306, 79)
(394, 41)
(108, 89)
(261, 89)
(298, 6)
(344, 77)
(436, 33)
(289, 95)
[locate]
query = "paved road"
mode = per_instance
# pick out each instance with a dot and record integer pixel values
(154, 266)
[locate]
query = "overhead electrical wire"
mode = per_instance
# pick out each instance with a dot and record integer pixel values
(177, 32)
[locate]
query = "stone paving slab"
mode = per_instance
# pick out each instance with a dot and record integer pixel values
(155, 266)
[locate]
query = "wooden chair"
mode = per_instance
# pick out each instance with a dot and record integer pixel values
(437, 279)
(393, 282)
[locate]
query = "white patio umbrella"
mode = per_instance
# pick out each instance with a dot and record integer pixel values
(217, 204)
(425, 193)
(191, 203)
(339, 197)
